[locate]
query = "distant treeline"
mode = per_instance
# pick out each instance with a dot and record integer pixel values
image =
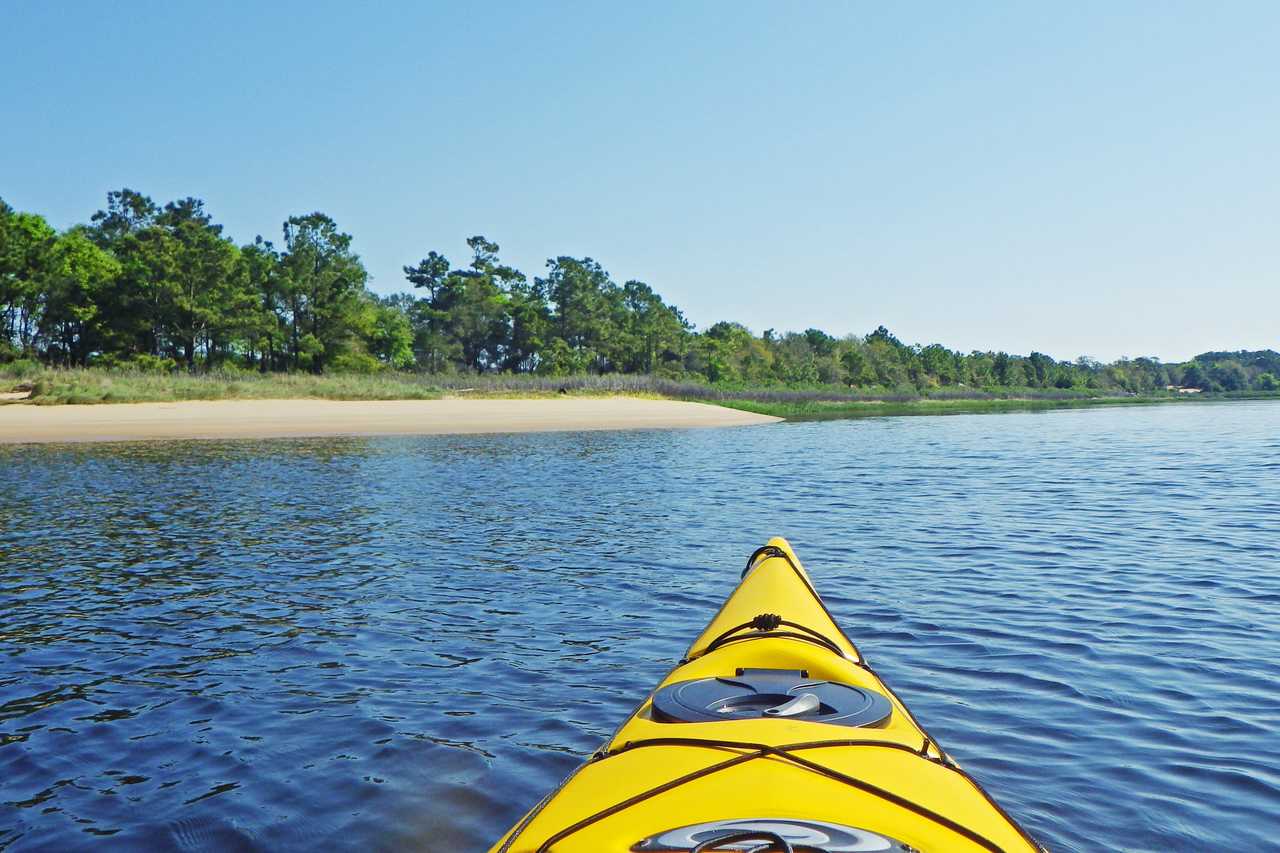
(162, 288)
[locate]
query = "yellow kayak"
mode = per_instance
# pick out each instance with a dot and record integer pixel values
(773, 734)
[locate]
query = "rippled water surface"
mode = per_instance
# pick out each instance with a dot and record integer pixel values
(379, 643)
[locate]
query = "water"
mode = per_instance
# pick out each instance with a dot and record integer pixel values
(380, 643)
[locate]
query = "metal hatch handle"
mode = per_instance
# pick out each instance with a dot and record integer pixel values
(802, 704)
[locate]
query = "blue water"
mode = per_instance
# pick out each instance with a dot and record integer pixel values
(379, 643)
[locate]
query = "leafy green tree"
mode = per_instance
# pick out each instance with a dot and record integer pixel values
(482, 317)
(1229, 375)
(728, 352)
(70, 322)
(796, 361)
(654, 334)
(265, 325)
(885, 354)
(26, 242)
(130, 308)
(429, 273)
(857, 369)
(127, 212)
(476, 305)
(980, 369)
(324, 285)
(202, 297)
(155, 285)
(1041, 369)
(560, 359)
(820, 342)
(389, 334)
(433, 349)
(1002, 366)
(530, 327)
(939, 362)
(582, 298)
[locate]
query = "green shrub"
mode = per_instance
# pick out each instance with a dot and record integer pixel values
(41, 387)
(135, 363)
(357, 362)
(147, 363)
(231, 370)
(23, 368)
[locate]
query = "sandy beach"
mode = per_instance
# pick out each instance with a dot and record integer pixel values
(21, 424)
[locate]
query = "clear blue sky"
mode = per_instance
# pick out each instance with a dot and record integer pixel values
(1099, 179)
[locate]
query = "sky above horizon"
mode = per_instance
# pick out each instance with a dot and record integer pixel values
(1078, 179)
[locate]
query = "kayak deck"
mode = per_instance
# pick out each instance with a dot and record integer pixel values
(790, 734)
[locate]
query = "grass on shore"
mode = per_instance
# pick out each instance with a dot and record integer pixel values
(826, 409)
(831, 409)
(56, 387)
(53, 386)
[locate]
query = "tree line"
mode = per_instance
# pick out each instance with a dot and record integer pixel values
(156, 287)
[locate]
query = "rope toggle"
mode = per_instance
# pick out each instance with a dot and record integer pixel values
(765, 622)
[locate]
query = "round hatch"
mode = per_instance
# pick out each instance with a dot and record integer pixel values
(755, 694)
(747, 834)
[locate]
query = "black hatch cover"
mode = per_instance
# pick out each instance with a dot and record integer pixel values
(755, 694)
(806, 835)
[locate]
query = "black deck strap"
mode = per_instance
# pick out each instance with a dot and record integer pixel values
(766, 624)
(761, 750)
(716, 743)
(641, 797)
(897, 800)
(768, 551)
(943, 760)
(817, 635)
(765, 635)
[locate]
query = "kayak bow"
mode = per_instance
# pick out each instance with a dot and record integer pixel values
(773, 734)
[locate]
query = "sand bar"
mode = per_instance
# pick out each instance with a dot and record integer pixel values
(25, 423)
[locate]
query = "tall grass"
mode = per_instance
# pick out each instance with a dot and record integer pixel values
(686, 389)
(831, 409)
(51, 386)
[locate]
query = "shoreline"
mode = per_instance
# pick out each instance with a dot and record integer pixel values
(853, 409)
(313, 418)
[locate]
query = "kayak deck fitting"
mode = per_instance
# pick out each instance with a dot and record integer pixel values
(772, 734)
